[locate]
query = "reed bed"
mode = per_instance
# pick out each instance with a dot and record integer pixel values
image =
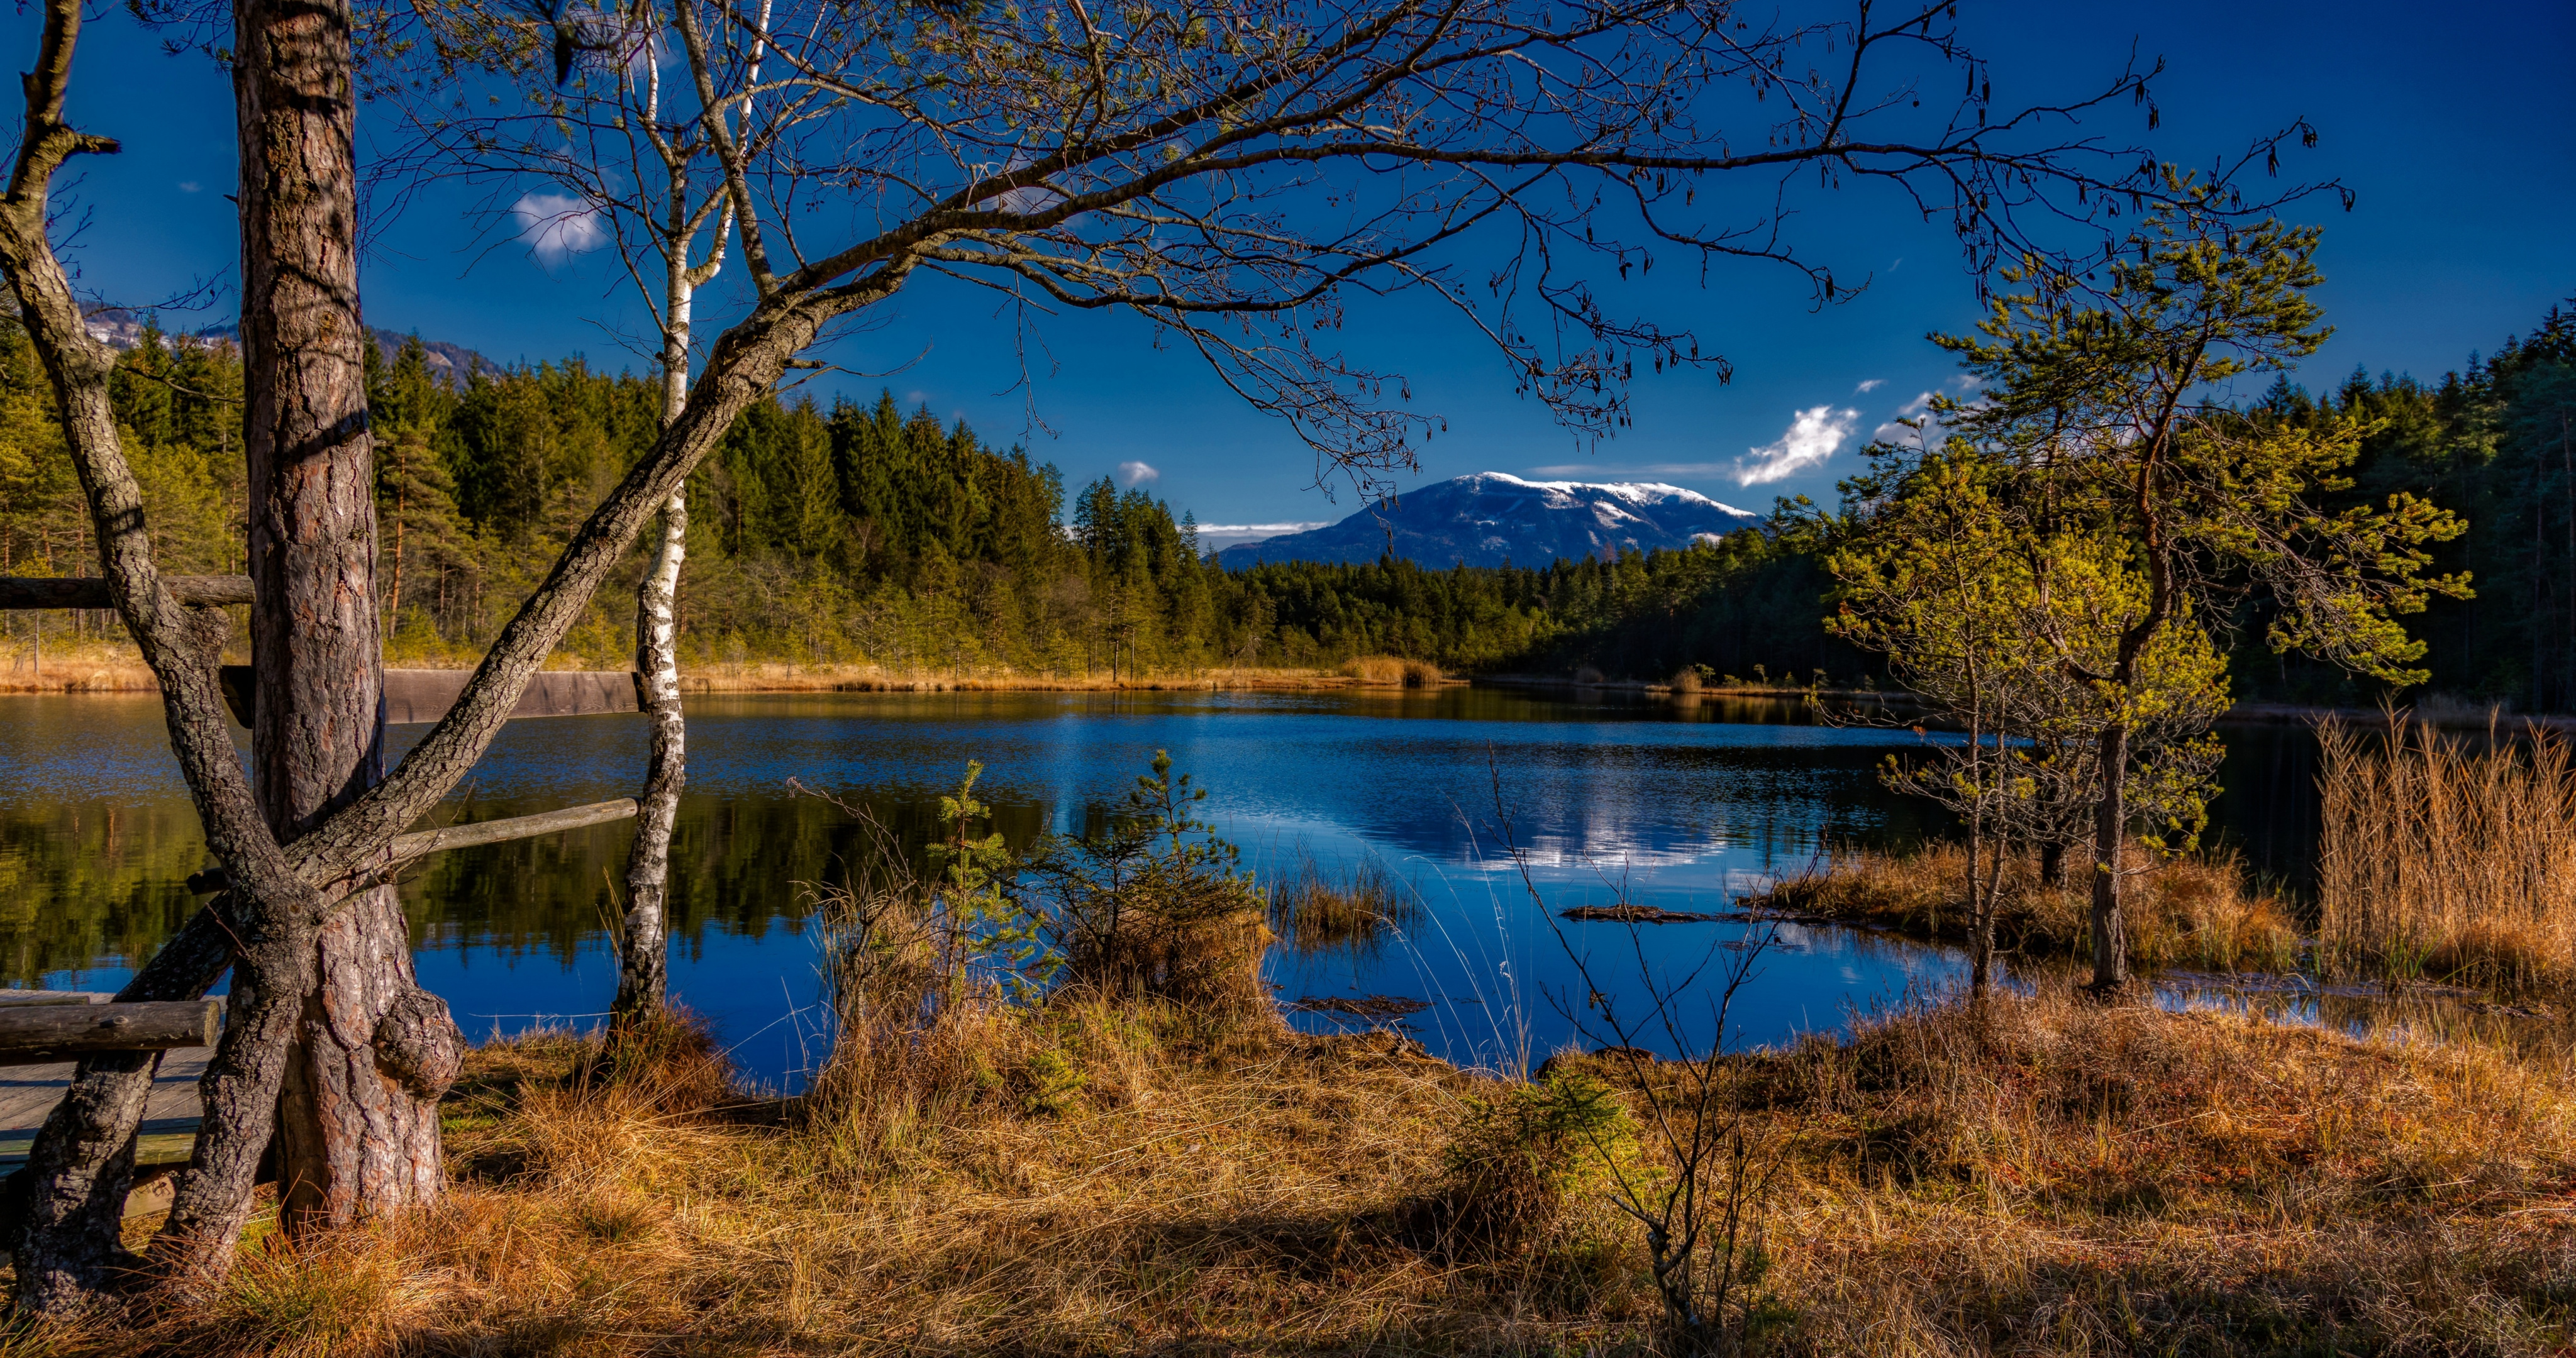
(1357, 909)
(1387, 669)
(2446, 858)
(2194, 911)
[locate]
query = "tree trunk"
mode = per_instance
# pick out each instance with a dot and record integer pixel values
(357, 1127)
(643, 947)
(643, 969)
(2052, 864)
(2110, 820)
(351, 1138)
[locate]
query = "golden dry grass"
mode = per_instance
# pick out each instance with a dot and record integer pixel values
(1387, 669)
(2443, 859)
(2039, 1176)
(1356, 908)
(74, 667)
(2181, 912)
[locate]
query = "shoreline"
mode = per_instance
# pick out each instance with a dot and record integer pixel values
(111, 674)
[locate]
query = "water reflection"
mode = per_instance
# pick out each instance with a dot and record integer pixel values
(1610, 797)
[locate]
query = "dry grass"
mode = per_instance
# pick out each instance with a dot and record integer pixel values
(74, 667)
(2056, 1177)
(2439, 858)
(1390, 670)
(2040, 1176)
(1357, 909)
(2195, 911)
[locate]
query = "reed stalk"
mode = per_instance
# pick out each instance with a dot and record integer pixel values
(2442, 858)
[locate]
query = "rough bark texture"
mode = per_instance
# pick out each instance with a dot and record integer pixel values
(351, 1142)
(279, 895)
(2110, 819)
(373, 1053)
(71, 1194)
(319, 738)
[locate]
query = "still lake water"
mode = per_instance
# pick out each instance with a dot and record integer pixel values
(1678, 805)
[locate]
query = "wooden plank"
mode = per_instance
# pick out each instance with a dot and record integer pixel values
(46, 1034)
(29, 1093)
(415, 697)
(159, 1141)
(422, 843)
(88, 591)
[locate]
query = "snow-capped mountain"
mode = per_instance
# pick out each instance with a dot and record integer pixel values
(1490, 517)
(452, 364)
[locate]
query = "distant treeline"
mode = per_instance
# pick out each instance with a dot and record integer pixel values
(857, 533)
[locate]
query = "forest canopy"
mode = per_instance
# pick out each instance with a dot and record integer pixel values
(859, 533)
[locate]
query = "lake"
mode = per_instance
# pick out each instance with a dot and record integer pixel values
(1681, 805)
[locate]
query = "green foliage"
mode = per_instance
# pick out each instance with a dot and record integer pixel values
(1153, 902)
(1516, 1161)
(2057, 572)
(1054, 1083)
(970, 876)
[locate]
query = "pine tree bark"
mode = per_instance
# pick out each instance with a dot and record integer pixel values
(351, 1139)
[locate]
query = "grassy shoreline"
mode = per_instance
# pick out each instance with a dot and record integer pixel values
(2038, 1176)
(118, 669)
(2194, 911)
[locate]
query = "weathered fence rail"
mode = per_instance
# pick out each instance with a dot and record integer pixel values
(89, 591)
(422, 843)
(43, 1034)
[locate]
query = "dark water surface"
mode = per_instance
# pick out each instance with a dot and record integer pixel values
(1683, 806)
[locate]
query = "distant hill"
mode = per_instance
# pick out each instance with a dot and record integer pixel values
(1491, 517)
(449, 363)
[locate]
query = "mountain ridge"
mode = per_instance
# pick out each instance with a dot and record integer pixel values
(453, 364)
(1494, 518)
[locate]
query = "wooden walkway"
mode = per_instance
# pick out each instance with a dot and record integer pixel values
(29, 1093)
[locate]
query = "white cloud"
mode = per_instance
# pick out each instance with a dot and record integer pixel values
(1916, 406)
(1869, 386)
(1811, 438)
(1137, 473)
(188, 186)
(558, 226)
(1230, 529)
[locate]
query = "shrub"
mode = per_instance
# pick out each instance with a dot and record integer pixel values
(1518, 1160)
(1154, 906)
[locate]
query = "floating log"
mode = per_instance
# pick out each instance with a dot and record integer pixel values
(422, 843)
(1639, 914)
(419, 696)
(89, 591)
(42, 1034)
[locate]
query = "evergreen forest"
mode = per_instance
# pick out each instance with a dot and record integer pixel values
(859, 533)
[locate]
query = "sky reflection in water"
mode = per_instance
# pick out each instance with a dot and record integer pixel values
(1682, 807)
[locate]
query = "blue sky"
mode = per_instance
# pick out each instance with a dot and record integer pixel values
(2456, 128)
